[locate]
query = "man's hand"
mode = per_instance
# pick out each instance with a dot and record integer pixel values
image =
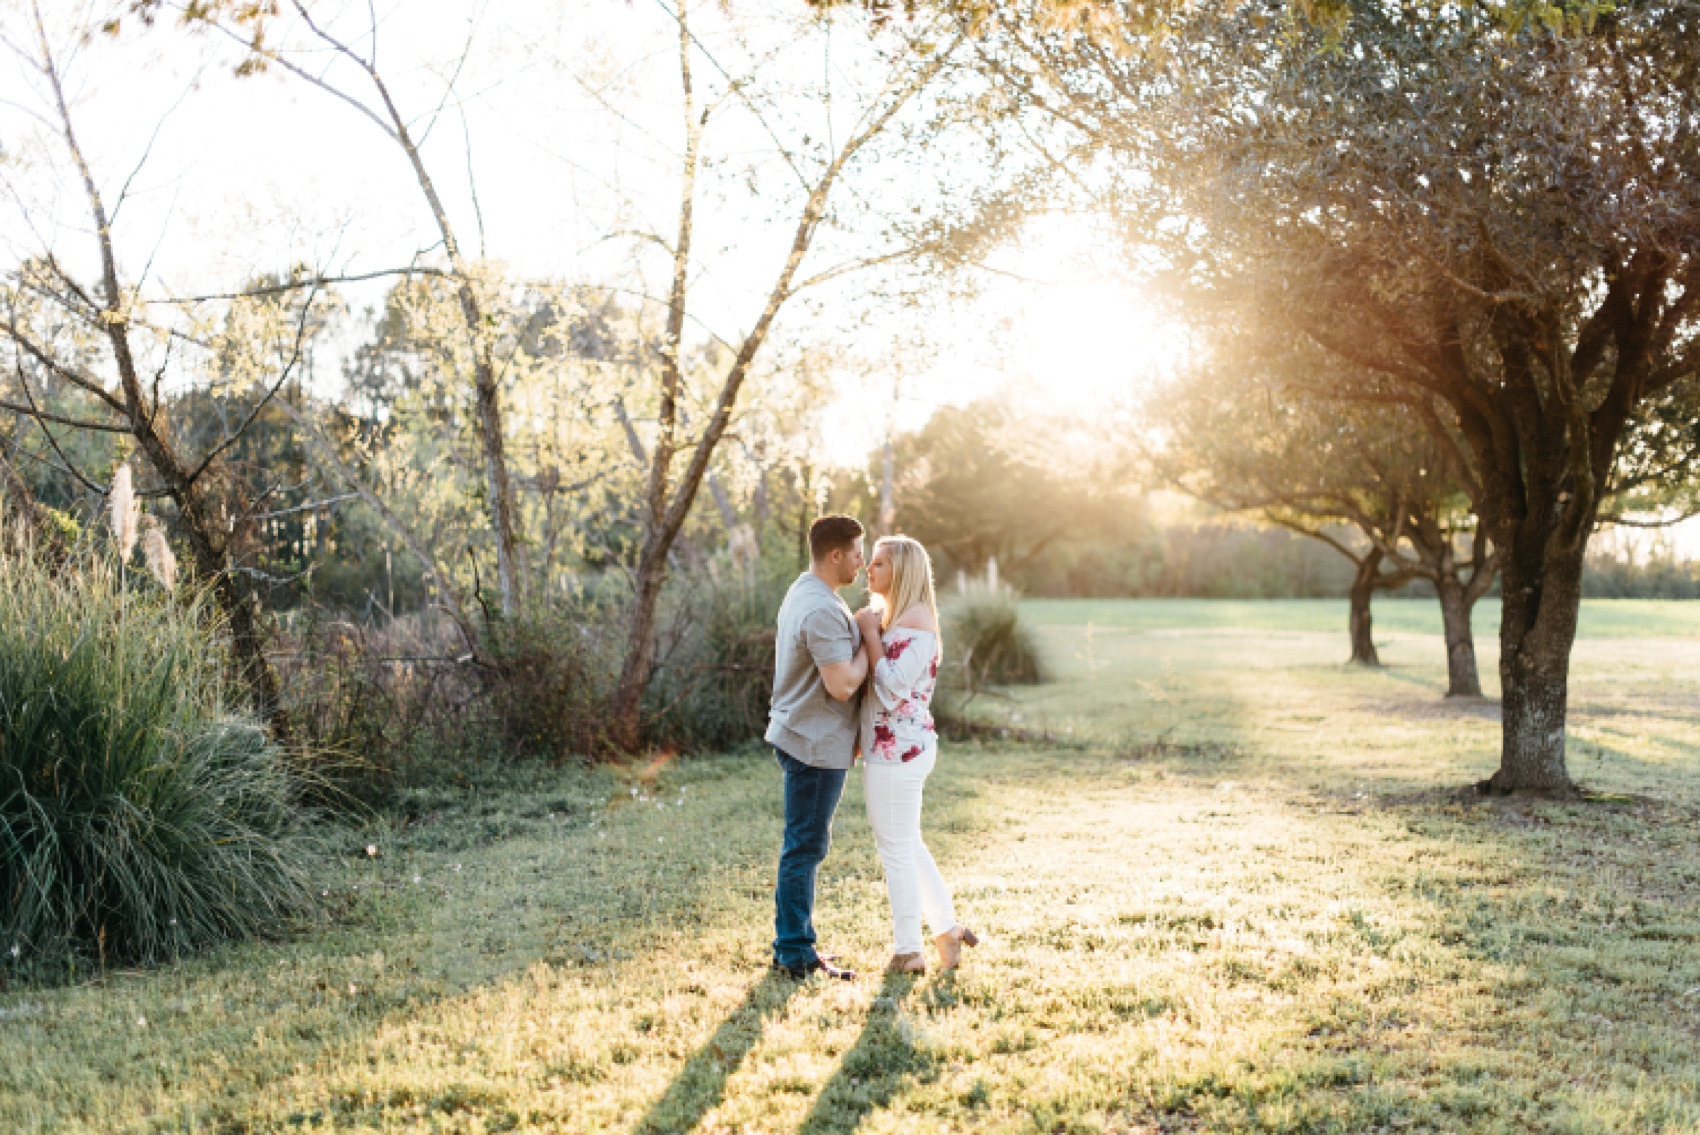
(868, 620)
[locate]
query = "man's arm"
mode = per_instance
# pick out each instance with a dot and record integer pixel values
(831, 641)
(843, 679)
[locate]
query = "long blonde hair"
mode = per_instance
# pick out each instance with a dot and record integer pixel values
(911, 579)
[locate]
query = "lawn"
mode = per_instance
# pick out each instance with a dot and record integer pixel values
(1230, 886)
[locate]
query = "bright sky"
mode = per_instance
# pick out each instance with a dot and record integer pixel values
(1070, 336)
(566, 119)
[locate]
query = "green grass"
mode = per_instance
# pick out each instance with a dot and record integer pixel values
(1280, 917)
(1601, 618)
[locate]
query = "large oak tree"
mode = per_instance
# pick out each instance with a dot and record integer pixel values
(1496, 224)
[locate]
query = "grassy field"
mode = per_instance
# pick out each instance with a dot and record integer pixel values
(1237, 892)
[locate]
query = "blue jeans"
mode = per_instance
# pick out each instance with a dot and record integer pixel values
(811, 798)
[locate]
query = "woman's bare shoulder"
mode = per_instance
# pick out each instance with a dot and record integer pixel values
(918, 618)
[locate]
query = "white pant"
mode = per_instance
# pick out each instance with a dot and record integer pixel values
(893, 791)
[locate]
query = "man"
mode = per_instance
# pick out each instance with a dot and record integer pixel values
(819, 666)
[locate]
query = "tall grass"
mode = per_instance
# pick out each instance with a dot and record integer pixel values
(409, 701)
(140, 817)
(716, 676)
(988, 641)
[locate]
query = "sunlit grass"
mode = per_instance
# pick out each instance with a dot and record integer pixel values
(1279, 919)
(1601, 618)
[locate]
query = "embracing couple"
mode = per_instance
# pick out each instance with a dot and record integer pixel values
(847, 684)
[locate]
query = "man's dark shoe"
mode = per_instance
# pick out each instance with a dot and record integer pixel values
(820, 966)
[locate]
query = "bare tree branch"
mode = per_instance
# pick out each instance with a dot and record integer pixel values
(32, 411)
(300, 284)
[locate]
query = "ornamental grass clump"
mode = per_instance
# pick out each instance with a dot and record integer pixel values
(987, 640)
(140, 816)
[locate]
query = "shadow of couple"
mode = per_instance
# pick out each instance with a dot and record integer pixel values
(884, 1058)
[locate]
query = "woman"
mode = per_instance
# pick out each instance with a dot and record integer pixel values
(899, 745)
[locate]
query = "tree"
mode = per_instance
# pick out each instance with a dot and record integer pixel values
(64, 331)
(254, 27)
(1244, 431)
(1492, 221)
(859, 107)
(910, 61)
(995, 479)
(408, 439)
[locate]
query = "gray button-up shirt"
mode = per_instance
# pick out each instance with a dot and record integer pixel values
(815, 629)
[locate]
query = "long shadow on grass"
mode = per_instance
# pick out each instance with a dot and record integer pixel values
(881, 1062)
(701, 1083)
(1425, 682)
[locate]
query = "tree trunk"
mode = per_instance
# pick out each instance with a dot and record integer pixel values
(1542, 599)
(503, 514)
(248, 640)
(625, 725)
(199, 514)
(1463, 680)
(888, 498)
(758, 502)
(805, 509)
(1363, 589)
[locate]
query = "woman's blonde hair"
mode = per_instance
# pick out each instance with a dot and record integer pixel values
(911, 579)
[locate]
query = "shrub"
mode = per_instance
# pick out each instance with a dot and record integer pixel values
(139, 817)
(547, 678)
(384, 705)
(406, 702)
(360, 697)
(987, 641)
(716, 675)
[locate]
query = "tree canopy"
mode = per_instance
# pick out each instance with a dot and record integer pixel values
(1493, 221)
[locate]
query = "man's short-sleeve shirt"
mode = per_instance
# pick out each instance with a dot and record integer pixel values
(815, 629)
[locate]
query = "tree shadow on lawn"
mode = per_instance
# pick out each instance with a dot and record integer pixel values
(701, 1083)
(1600, 762)
(1518, 854)
(1425, 680)
(876, 1067)
(520, 902)
(1568, 922)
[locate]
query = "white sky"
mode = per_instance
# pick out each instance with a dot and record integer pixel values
(567, 120)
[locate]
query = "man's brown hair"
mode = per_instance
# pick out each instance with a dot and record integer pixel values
(830, 533)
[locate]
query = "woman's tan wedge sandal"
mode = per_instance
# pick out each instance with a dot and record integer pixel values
(950, 945)
(906, 963)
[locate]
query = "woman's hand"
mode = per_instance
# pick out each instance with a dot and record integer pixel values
(868, 622)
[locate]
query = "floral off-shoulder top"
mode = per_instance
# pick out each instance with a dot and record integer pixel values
(897, 717)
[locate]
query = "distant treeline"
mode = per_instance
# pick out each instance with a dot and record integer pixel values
(1221, 561)
(1217, 561)
(1662, 576)
(983, 481)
